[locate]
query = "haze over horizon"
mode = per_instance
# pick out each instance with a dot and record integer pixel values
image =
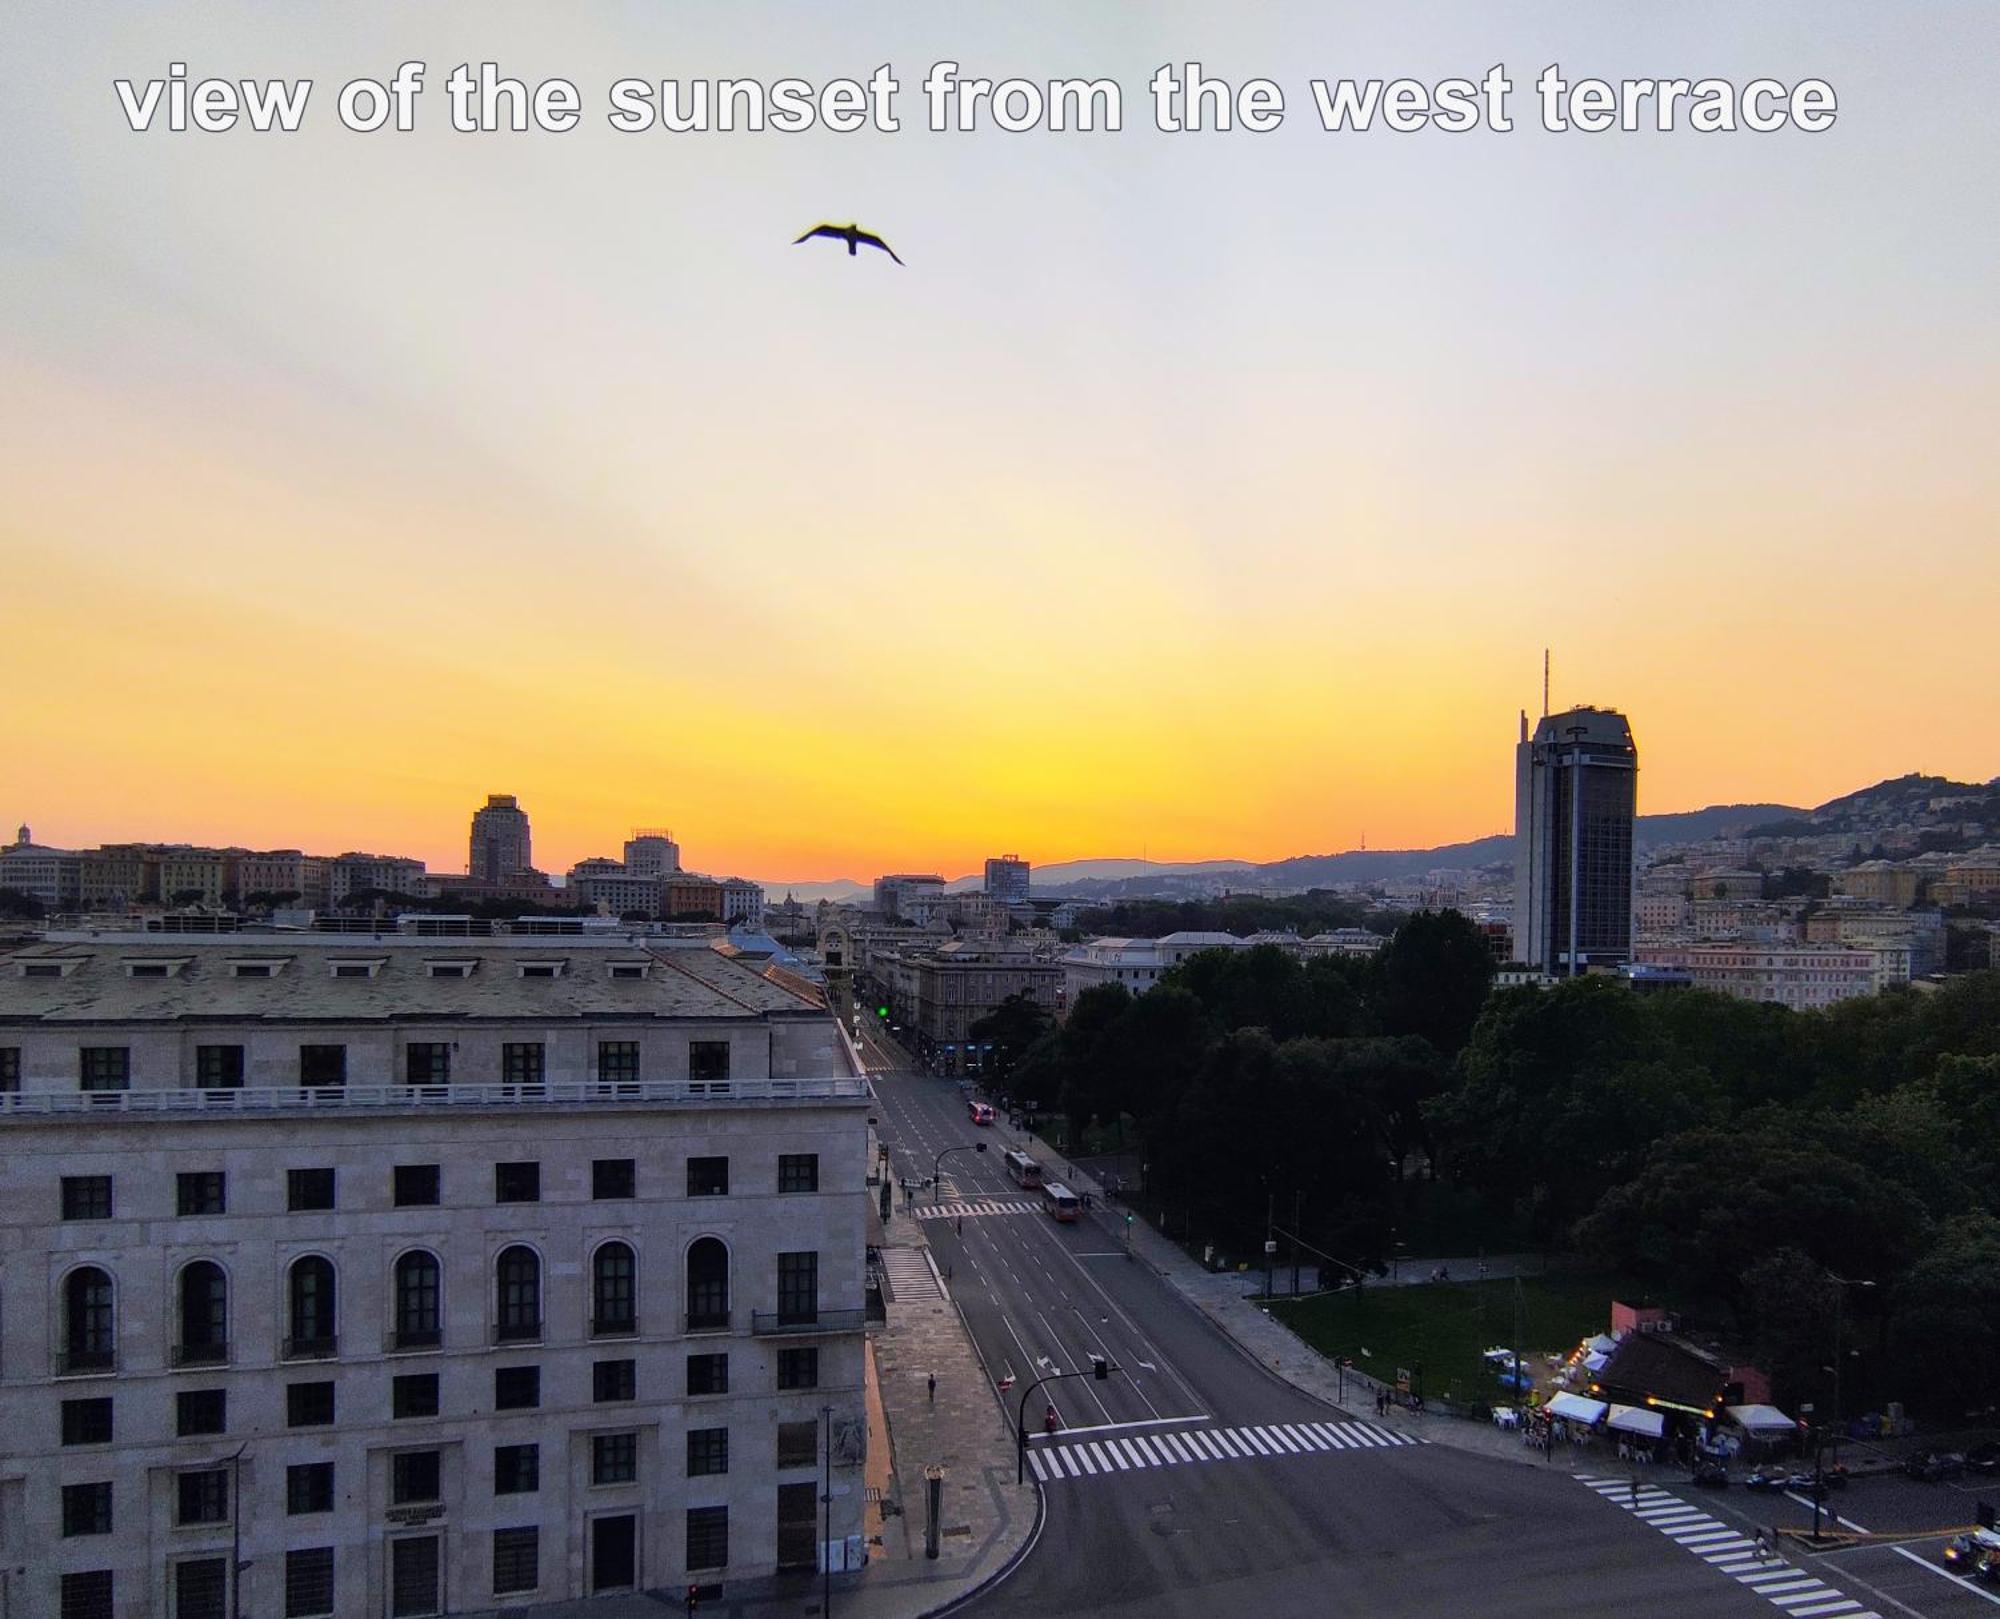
(353, 477)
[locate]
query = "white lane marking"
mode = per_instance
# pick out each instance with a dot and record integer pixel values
(1806, 1502)
(1944, 1573)
(1137, 1422)
(1035, 1461)
(1844, 1605)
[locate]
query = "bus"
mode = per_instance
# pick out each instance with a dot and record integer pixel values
(1061, 1202)
(1025, 1170)
(982, 1112)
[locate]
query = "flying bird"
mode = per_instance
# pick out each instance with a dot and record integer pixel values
(853, 235)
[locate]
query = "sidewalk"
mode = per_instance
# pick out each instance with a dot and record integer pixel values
(1219, 1295)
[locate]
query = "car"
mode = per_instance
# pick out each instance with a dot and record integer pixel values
(1931, 1465)
(1711, 1475)
(1976, 1553)
(1765, 1480)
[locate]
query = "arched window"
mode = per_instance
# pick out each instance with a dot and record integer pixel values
(311, 1309)
(707, 1285)
(419, 1301)
(90, 1335)
(614, 1290)
(204, 1337)
(519, 1275)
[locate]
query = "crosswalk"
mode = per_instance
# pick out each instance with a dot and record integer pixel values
(975, 1207)
(911, 1277)
(1731, 1552)
(1090, 1457)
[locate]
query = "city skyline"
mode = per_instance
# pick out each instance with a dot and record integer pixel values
(1224, 542)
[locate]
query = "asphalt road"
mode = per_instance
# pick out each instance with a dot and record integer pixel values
(1195, 1482)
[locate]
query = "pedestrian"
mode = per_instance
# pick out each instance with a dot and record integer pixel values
(958, 1226)
(1635, 1490)
(933, 1388)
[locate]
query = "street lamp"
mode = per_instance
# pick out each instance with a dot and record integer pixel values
(937, 1169)
(1840, 1286)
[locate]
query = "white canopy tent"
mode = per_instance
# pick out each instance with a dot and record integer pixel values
(1575, 1408)
(1637, 1419)
(1764, 1421)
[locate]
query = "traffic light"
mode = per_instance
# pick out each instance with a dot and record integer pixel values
(882, 1012)
(694, 1597)
(1128, 1216)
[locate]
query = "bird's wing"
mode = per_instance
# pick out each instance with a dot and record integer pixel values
(875, 241)
(821, 230)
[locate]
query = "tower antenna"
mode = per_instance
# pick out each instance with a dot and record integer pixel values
(1545, 682)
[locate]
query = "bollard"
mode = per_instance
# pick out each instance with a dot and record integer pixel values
(933, 1508)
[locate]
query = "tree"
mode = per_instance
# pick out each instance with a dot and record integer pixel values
(16, 906)
(1434, 977)
(1947, 1319)
(1010, 1028)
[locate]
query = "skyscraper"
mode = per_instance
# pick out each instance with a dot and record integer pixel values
(500, 842)
(1007, 880)
(651, 852)
(1575, 796)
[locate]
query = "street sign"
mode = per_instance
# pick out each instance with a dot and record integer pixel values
(1402, 1377)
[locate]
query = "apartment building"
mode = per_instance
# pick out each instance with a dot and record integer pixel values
(1803, 977)
(415, 1275)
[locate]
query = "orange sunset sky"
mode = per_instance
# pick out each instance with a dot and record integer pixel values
(1199, 496)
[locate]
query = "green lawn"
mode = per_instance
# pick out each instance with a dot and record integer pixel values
(1442, 1326)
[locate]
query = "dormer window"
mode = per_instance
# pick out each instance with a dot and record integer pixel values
(255, 969)
(339, 968)
(450, 969)
(540, 969)
(630, 969)
(154, 966)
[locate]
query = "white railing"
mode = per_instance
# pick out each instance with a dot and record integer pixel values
(339, 1098)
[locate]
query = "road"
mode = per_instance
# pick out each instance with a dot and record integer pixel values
(1195, 1482)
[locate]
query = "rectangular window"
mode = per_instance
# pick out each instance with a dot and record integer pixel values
(10, 1068)
(614, 1380)
(414, 1475)
(798, 1368)
(708, 1177)
(516, 1560)
(104, 1068)
(201, 1588)
(414, 1395)
(798, 1172)
(707, 1537)
(199, 1192)
(308, 1488)
(322, 1065)
(707, 1451)
(218, 1068)
(618, 1061)
(708, 1374)
(86, 1422)
(308, 1190)
(86, 1509)
(86, 1596)
(614, 1178)
(200, 1411)
(416, 1186)
(517, 1388)
(798, 1288)
(523, 1062)
(427, 1062)
(798, 1443)
(86, 1197)
(309, 1582)
(614, 1458)
(308, 1405)
(708, 1060)
(202, 1497)
(517, 1182)
(353, 969)
(517, 1469)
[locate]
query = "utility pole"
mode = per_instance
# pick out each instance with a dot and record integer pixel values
(1298, 1208)
(826, 1532)
(1270, 1241)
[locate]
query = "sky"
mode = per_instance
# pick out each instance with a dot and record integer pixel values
(1188, 495)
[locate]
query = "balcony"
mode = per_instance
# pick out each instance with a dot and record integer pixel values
(85, 1362)
(517, 1332)
(708, 1321)
(805, 1323)
(199, 1354)
(468, 1097)
(405, 1339)
(319, 1348)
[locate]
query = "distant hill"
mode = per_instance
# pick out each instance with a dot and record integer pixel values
(1898, 803)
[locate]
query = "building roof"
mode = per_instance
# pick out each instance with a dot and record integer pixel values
(1666, 1368)
(204, 984)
